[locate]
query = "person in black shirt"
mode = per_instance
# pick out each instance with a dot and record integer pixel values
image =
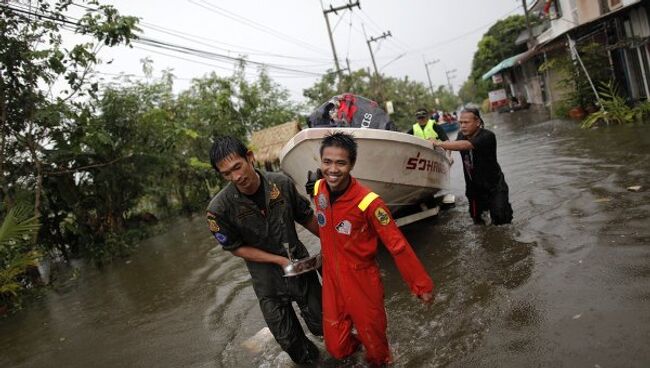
(485, 185)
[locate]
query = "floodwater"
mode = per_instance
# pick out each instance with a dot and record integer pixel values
(566, 285)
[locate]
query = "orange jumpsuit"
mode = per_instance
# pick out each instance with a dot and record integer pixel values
(353, 293)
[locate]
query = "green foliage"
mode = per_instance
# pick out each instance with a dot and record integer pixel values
(614, 108)
(497, 44)
(16, 254)
(406, 95)
(573, 81)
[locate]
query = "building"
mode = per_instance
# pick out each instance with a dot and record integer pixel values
(616, 31)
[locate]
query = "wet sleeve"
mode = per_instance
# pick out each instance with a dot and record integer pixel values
(407, 262)
(223, 231)
(300, 205)
(441, 132)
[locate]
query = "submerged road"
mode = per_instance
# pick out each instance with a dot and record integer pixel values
(566, 285)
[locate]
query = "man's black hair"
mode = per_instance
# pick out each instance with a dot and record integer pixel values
(225, 146)
(343, 140)
(475, 112)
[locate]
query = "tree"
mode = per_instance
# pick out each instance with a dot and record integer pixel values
(32, 61)
(497, 44)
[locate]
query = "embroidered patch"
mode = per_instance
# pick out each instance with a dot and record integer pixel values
(320, 217)
(221, 238)
(275, 192)
(322, 201)
(344, 227)
(382, 216)
(214, 227)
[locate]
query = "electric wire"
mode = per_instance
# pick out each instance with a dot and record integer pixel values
(175, 47)
(253, 24)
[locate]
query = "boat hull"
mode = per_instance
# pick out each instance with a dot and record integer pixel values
(404, 170)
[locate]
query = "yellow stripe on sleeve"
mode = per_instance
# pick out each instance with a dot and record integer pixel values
(316, 185)
(365, 202)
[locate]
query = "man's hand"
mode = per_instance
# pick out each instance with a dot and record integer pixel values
(311, 181)
(437, 143)
(426, 297)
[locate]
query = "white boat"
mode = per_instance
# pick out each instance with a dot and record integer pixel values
(404, 170)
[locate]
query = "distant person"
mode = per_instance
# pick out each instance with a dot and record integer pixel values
(435, 115)
(426, 128)
(352, 219)
(485, 185)
(252, 217)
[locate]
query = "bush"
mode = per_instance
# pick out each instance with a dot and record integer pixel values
(614, 109)
(17, 257)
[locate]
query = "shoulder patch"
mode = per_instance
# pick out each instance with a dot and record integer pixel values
(221, 238)
(382, 216)
(275, 192)
(212, 222)
(322, 201)
(320, 217)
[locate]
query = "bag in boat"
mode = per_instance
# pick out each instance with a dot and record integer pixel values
(350, 111)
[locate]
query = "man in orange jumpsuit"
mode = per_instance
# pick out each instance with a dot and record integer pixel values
(351, 218)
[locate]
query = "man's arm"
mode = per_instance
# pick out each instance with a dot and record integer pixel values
(257, 255)
(407, 262)
(312, 226)
(455, 145)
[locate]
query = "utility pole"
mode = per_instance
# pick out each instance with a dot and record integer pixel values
(334, 10)
(530, 42)
(372, 56)
(426, 66)
(449, 78)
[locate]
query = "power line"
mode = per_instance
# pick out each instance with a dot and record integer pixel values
(244, 50)
(215, 56)
(378, 29)
(251, 23)
(456, 38)
(210, 64)
(173, 47)
(193, 37)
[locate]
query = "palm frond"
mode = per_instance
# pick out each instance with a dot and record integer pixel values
(17, 224)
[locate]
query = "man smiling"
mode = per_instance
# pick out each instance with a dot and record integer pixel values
(351, 220)
(253, 218)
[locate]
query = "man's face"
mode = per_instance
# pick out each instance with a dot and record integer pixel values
(240, 171)
(469, 123)
(336, 166)
(422, 119)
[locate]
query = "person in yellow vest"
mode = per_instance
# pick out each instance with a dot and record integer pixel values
(426, 128)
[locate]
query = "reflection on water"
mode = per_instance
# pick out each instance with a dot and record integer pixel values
(565, 285)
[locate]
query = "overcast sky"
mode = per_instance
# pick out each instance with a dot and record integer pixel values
(292, 35)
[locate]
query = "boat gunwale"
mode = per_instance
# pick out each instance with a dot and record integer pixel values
(404, 138)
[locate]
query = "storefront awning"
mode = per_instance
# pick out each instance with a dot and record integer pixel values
(509, 63)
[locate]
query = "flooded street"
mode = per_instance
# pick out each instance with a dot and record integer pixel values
(566, 285)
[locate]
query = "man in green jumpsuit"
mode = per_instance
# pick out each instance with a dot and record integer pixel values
(253, 217)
